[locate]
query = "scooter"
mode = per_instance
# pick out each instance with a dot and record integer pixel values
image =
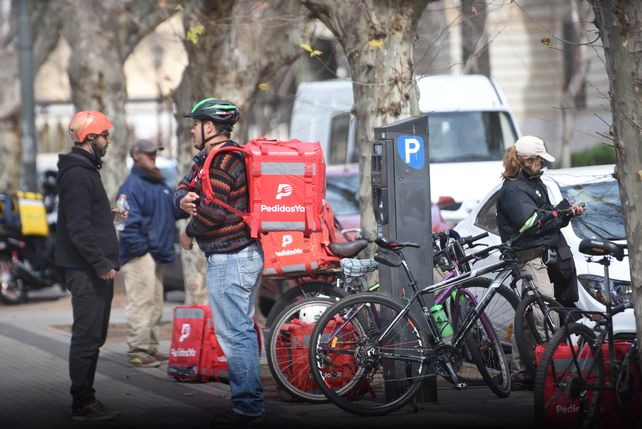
(27, 263)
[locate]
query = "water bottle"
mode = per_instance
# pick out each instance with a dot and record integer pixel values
(122, 206)
(440, 318)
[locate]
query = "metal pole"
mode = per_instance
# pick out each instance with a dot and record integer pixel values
(28, 178)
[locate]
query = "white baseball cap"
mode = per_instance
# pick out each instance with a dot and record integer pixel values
(532, 146)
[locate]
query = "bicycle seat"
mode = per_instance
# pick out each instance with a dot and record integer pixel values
(349, 249)
(394, 245)
(596, 247)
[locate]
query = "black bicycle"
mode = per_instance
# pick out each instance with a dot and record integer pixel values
(369, 353)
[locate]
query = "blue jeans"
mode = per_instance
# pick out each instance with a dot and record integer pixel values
(232, 282)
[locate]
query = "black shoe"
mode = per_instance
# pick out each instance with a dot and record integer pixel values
(94, 412)
(521, 381)
(232, 419)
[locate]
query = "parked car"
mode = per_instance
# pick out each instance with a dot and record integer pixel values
(597, 188)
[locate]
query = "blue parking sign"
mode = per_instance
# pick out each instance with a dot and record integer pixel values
(411, 151)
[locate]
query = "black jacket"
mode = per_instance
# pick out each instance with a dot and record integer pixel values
(517, 201)
(85, 233)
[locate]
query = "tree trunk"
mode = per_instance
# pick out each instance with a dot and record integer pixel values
(101, 36)
(474, 37)
(377, 38)
(232, 47)
(620, 26)
(578, 71)
(45, 24)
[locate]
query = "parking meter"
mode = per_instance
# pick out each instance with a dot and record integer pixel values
(402, 207)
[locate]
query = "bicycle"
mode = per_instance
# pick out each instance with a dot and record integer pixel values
(286, 349)
(383, 338)
(578, 367)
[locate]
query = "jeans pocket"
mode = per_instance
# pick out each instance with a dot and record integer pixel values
(250, 268)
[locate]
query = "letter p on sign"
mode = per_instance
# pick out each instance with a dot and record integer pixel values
(411, 150)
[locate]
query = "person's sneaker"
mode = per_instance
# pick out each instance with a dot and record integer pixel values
(232, 419)
(159, 356)
(520, 380)
(94, 412)
(142, 360)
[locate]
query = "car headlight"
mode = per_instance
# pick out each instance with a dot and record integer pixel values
(621, 290)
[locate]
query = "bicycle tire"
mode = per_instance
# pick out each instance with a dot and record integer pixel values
(570, 374)
(285, 356)
(299, 292)
(500, 310)
(526, 335)
(349, 366)
(481, 347)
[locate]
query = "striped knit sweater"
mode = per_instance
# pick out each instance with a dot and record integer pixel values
(216, 229)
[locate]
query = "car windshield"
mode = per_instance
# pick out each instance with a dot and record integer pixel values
(343, 194)
(603, 217)
(469, 136)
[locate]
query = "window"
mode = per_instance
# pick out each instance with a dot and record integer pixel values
(487, 216)
(469, 136)
(604, 217)
(338, 150)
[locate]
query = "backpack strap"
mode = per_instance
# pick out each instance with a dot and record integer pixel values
(206, 185)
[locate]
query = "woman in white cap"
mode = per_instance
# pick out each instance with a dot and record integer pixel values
(523, 206)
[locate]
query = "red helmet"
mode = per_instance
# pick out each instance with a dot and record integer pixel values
(86, 123)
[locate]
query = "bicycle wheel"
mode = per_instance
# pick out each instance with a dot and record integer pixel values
(287, 350)
(481, 347)
(299, 292)
(500, 310)
(569, 379)
(531, 331)
(355, 369)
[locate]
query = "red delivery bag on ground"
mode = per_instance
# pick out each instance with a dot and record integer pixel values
(286, 180)
(292, 355)
(562, 412)
(195, 353)
(290, 252)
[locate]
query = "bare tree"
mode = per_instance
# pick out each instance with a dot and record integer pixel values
(101, 36)
(377, 37)
(45, 24)
(232, 47)
(474, 37)
(620, 26)
(577, 65)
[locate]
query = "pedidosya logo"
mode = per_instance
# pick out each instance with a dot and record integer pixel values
(285, 242)
(186, 329)
(190, 352)
(283, 190)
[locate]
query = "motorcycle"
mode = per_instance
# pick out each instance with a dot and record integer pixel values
(27, 262)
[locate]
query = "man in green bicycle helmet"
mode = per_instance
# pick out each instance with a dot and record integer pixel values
(221, 113)
(234, 259)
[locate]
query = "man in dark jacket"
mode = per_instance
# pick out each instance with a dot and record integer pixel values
(87, 249)
(146, 243)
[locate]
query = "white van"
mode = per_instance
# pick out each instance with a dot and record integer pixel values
(470, 126)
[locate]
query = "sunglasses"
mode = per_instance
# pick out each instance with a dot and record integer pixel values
(105, 135)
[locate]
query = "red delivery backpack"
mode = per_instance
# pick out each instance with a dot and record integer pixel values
(563, 412)
(286, 182)
(291, 252)
(195, 353)
(292, 357)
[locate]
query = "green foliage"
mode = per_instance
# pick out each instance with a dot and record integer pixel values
(596, 155)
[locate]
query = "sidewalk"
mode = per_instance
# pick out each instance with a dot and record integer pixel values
(34, 386)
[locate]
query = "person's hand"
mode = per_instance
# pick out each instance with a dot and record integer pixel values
(189, 203)
(578, 209)
(187, 243)
(109, 275)
(118, 216)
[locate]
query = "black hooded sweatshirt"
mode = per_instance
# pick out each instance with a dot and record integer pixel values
(85, 234)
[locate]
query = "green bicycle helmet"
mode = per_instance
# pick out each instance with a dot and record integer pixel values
(222, 113)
